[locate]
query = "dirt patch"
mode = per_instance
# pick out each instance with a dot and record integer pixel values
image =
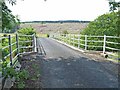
(30, 64)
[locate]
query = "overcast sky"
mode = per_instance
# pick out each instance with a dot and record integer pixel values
(38, 10)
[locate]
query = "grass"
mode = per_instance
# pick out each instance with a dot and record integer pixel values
(41, 35)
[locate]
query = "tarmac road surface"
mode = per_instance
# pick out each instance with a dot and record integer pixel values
(63, 67)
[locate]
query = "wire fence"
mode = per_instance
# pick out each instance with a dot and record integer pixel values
(106, 44)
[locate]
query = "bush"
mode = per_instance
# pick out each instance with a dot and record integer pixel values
(65, 32)
(26, 31)
(106, 24)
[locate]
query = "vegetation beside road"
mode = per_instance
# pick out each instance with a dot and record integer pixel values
(106, 24)
(10, 71)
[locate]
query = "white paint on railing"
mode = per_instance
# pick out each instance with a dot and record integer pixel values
(104, 45)
(85, 42)
(35, 42)
(102, 39)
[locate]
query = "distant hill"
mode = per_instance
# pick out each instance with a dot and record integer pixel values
(57, 26)
(60, 21)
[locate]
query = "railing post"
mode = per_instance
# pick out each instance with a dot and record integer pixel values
(66, 38)
(73, 39)
(104, 44)
(79, 41)
(35, 44)
(17, 45)
(70, 39)
(63, 38)
(10, 49)
(85, 42)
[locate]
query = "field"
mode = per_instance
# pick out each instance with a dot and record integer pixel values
(49, 28)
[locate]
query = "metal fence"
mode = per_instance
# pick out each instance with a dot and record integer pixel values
(11, 47)
(106, 44)
(14, 46)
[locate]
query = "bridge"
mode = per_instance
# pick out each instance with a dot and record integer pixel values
(66, 66)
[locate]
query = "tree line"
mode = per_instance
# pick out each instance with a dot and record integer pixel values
(60, 21)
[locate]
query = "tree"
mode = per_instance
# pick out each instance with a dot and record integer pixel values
(9, 21)
(13, 2)
(114, 5)
(104, 24)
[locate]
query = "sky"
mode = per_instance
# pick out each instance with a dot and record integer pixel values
(52, 10)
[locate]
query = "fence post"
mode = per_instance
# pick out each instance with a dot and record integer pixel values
(66, 37)
(17, 45)
(70, 39)
(10, 49)
(85, 42)
(73, 39)
(104, 44)
(79, 41)
(35, 44)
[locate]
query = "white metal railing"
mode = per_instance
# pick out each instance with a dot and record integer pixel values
(87, 41)
(13, 54)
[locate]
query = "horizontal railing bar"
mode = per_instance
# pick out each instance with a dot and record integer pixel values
(6, 56)
(3, 38)
(25, 35)
(94, 41)
(25, 52)
(5, 47)
(95, 36)
(82, 44)
(27, 47)
(14, 50)
(82, 40)
(112, 42)
(15, 57)
(26, 41)
(13, 43)
(112, 37)
(113, 48)
(93, 46)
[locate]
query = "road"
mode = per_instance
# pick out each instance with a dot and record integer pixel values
(63, 67)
